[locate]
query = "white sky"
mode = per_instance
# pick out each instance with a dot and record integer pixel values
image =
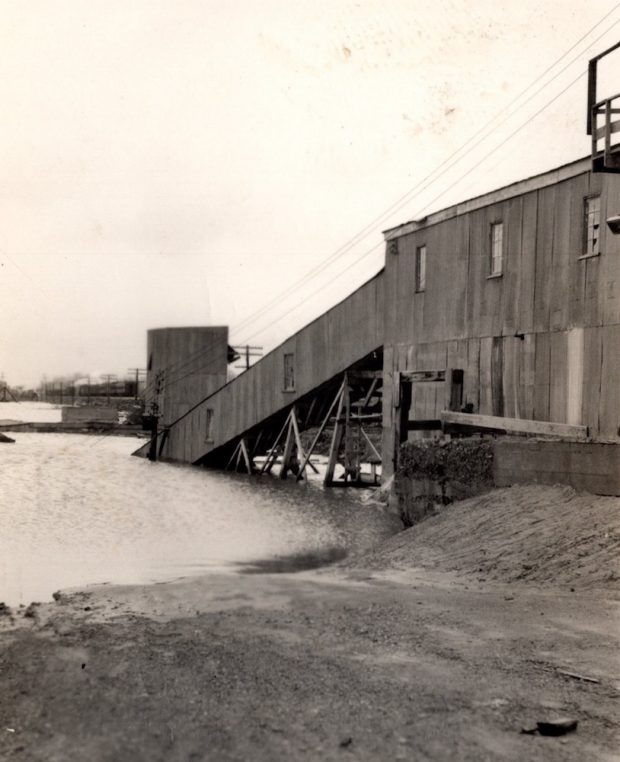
(183, 162)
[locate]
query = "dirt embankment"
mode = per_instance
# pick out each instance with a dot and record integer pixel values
(547, 535)
(343, 664)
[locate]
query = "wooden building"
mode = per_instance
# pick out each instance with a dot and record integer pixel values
(519, 288)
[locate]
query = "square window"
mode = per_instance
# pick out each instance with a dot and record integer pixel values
(289, 372)
(420, 268)
(497, 248)
(591, 226)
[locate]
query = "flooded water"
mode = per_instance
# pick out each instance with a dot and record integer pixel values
(77, 510)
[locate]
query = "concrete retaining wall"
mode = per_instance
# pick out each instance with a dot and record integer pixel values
(590, 466)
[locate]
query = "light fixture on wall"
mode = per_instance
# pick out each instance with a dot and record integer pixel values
(613, 223)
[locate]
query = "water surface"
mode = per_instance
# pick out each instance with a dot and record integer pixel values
(77, 510)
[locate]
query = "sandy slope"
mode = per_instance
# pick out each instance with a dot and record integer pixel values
(550, 535)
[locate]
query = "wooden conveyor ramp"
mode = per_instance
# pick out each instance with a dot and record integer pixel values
(264, 410)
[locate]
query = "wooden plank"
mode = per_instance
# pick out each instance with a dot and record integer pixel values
(577, 267)
(527, 265)
(497, 375)
(609, 412)
(558, 377)
(513, 216)
(272, 452)
(477, 273)
(459, 270)
(246, 455)
(372, 447)
(544, 257)
(336, 440)
(288, 450)
(527, 375)
(420, 376)
(541, 377)
(485, 385)
(558, 307)
(610, 206)
(574, 392)
(471, 381)
(513, 425)
(594, 269)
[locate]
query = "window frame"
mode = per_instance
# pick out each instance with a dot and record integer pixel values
(209, 424)
(586, 253)
(420, 268)
(494, 243)
(288, 384)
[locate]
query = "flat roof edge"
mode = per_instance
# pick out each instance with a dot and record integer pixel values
(518, 188)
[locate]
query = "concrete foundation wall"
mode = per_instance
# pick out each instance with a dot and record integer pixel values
(590, 466)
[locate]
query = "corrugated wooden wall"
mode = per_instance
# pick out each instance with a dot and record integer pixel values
(195, 360)
(542, 341)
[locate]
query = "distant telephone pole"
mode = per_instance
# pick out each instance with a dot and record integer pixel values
(247, 351)
(137, 371)
(107, 377)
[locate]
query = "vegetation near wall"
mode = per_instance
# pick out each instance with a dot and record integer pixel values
(433, 473)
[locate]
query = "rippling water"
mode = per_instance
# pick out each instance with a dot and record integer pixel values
(77, 510)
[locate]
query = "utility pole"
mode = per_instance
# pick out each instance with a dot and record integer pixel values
(137, 371)
(107, 377)
(248, 351)
(154, 415)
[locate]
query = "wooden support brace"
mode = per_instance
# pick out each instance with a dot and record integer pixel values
(268, 464)
(309, 413)
(301, 456)
(306, 460)
(288, 450)
(232, 457)
(372, 447)
(339, 429)
(257, 442)
(371, 391)
(246, 456)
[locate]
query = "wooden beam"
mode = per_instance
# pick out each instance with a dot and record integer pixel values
(451, 418)
(420, 376)
(336, 438)
(309, 413)
(288, 450)
(232, 457)
(374, 449)
(246, 455)
(306, 460)
(266, 464)
(373, 386)
(257, 442)
(300, 450)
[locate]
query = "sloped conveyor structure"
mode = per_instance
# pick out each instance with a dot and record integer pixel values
(243, 418)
